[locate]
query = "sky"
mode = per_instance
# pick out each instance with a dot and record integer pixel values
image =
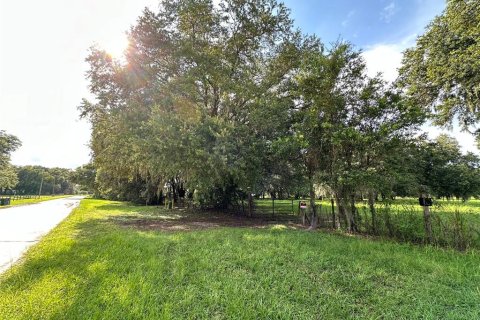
(43, 45)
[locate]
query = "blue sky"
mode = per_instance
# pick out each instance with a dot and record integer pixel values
(42, 53)
(364, 22)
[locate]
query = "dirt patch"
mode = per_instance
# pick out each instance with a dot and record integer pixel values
(205, 221)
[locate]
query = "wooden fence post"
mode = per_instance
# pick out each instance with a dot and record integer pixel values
(428, 223)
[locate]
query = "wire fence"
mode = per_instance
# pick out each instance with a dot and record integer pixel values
(453, 227)
(23, 196)
(11, 199)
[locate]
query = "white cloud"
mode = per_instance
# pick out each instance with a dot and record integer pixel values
(388, 12)
(348, 18)
(384, 58)
(387, 57)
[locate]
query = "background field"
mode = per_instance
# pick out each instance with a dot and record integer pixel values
(455, 223)
(111, 260)
(30, 200)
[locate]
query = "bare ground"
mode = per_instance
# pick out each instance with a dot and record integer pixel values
(182, 221)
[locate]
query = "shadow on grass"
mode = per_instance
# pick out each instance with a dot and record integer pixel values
(190, 220)
(160, 218)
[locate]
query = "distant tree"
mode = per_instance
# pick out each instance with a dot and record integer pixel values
(51, 180)
(442, 73)
(8, 144)
(406, 167)
(445, 172)
(468, 173)
(30, 178)
(85, 177)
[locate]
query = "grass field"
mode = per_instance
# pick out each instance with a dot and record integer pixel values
(471, 207)
(20, 202)
(455, 223)
(109, 260)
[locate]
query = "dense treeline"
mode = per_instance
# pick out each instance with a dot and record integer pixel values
(41, 180)
(38, 180)
(8, 144)
(223, 102)
(35, 180)
(438, 167)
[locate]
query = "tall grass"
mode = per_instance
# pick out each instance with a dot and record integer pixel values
(455, 224)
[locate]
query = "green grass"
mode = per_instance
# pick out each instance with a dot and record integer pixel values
(20, 202)
(471, 207)
(401, 219)
(93, 266)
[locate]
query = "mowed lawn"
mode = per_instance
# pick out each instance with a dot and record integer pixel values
(110, 260)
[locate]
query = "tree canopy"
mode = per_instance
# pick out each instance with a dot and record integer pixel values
(8, 144)
(197, 101)
(442, 72)
(45, 181)
(224, 102)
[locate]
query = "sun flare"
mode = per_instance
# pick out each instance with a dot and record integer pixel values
(116, 46)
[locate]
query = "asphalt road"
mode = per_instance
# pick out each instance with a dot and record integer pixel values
(23, 226)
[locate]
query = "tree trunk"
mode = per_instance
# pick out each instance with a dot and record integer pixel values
(348, 213)
(353, 218)
(335, 219)
(313, 220)
(341, 209)
(250, 204)
(371, 204)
